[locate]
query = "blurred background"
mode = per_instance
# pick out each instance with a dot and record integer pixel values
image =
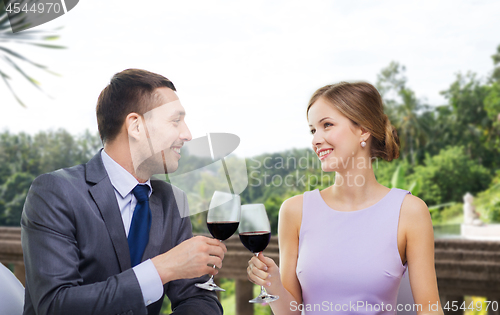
(249, 69)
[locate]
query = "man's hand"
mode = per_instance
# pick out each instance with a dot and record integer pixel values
(192, 258)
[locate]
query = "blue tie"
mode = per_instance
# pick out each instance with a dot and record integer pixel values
(138, 235)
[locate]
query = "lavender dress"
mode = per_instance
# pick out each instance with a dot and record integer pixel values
(349, 262)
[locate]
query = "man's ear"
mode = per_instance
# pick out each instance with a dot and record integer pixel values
(133, 125)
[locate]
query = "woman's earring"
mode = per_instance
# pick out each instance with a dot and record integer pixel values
(363, 144)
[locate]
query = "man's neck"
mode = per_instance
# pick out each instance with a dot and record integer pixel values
(121, 155)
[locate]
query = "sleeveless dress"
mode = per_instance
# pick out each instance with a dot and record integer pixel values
(349, 262)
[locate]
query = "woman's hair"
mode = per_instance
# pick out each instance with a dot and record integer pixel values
(362, 104)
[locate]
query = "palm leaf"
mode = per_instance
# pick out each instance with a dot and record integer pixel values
(5, 79)
(28, 37)
(14, 54)
(21, 71)
(398, 178)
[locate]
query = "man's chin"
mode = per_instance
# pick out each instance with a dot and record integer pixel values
(156, 165)
(169, 169)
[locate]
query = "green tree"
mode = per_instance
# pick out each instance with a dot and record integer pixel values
(404, 110)
(23, 157)
(12, 195)
(446, 177)
(496, 62)
(488, 202)
(470, 124)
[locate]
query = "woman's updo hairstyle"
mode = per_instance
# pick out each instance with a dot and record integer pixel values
(362, 104)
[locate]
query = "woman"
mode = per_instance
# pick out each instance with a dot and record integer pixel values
(345, 249)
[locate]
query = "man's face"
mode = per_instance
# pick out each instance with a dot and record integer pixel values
(163, 133)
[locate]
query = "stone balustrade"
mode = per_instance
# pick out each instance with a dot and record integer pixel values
(463, 267)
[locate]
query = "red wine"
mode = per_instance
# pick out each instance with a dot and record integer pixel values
(255, 241)
(222, 230)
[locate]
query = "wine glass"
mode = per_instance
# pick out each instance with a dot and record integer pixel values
(222, 221)
(255, 234)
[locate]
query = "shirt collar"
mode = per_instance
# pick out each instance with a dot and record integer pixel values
(120, 178)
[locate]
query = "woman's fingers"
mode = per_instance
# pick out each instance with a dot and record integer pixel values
(256, 271)
(259, 263)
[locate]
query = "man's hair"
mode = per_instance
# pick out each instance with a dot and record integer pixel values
(129, 91)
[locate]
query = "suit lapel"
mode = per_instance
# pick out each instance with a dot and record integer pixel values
(104, 196)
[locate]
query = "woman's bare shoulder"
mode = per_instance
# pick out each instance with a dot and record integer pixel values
(293, 204)
(414, 207)
(291, 210)
(415, 213)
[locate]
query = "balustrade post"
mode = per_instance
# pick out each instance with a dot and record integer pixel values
(217, 282)
(244, 293)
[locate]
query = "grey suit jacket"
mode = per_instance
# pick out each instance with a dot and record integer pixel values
(76, 252)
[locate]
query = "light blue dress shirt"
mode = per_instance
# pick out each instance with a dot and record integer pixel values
(123, 182)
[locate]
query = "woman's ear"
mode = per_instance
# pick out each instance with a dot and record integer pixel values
(365, 134)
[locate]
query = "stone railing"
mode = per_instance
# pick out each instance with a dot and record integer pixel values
(463, 267)
(11, 251)
(468, 267)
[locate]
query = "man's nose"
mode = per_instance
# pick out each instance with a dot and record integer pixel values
(185, 133)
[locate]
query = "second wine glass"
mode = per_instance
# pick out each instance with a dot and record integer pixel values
(222, 221)
(255, 234)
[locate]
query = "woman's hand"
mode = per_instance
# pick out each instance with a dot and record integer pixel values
(263, 271)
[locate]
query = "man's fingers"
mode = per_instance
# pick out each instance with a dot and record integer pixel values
(214, 260)
(211, 271)
(211, 241)
(216, 251)
(215, 242)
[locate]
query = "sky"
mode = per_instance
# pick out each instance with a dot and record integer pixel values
(247, 68)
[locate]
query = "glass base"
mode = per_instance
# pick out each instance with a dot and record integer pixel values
(209, 285)
(265, 299)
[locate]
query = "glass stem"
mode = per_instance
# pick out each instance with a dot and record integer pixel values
(262, 290)
(212, 276)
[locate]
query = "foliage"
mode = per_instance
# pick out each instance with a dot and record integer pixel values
(405, 111)
(488, 202)
(496, 61)
(393, 175)
(471, 124)
(12, 195)
(452, 214)
(449, 175)
(474, 309)
(23, 157)
(11, 57)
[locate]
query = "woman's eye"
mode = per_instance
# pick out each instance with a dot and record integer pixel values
(313, 131)
(328, 125)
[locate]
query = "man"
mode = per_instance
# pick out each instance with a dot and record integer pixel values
(93, 242)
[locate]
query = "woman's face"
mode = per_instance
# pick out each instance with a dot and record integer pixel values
(336, 140)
